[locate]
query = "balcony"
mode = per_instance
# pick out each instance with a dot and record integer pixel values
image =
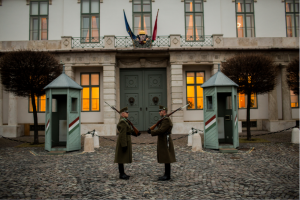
(172, 42)
(127, 42)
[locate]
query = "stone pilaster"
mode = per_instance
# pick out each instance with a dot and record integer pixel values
(272, 105)
(175, 41)
(109, 41)
(214, 69)
(66, 42)
(286, 98)
(176, 92)
(12, 110)
(69, 70)
(109, 93)
(218, 40)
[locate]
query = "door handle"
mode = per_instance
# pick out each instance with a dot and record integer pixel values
(146, 108)
(140, 109)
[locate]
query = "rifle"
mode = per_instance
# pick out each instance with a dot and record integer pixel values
(167, 115)
(134, 128)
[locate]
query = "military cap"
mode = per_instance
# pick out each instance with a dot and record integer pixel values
(162, 108)
(124, 110)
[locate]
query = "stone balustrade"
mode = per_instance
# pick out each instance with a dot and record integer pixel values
(171, 42)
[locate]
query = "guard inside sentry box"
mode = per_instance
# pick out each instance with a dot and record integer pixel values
(225, 131)
(59, 122)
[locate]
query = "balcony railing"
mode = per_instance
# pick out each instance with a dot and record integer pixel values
(85, 42)
(127, 42)
(198, 41)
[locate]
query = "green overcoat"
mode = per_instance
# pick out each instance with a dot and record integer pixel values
(164, 154)
(123, 140)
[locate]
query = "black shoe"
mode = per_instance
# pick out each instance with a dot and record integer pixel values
(127, 175)
(124, 176)
(164, 178)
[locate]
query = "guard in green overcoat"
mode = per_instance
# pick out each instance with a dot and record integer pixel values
(165, 147)
(124, 147)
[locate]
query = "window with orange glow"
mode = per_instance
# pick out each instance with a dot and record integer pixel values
(194, 29)
(245, 18)
(40, 104)
(194, 91)
(243, 101)
(292, 18)
(294, 100)
(38, 20)
(90, 13)
(90, 94)
(142, 14)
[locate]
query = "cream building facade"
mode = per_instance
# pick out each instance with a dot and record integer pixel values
(164, 70)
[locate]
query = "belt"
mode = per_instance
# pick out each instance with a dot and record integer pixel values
(128, 133)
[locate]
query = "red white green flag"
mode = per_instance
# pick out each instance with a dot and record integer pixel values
(155, 28)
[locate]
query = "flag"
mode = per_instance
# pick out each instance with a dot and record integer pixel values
(155, 28)
(128, 29)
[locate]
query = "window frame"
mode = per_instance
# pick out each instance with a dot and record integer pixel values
(142, 15)
(195, 89)
(39, 17)
(90, 23)
(294, 13)
(37, 104)
(238, 106)
(244, 15)
(291, 100)
(194, 12)
(90, 92)
(212, 103)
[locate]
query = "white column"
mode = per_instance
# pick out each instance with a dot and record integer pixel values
(214, 69)
(12, 110)
(286, 98)
(69, 70)
(109, 93)
(176, 92)
(272, 105)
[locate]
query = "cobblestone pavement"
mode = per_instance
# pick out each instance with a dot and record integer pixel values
(269, 171)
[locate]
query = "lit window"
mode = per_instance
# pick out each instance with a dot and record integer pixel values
(243, 101)
(90, 21)
(294, 100)
(292, 18)
(40, 104)
(90, 93)
(142, 14)
(39, 20)
(194, 93)
(194, 30)
(245, 18)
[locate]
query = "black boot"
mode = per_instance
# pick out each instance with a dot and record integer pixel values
(167, 175)
(122, 173)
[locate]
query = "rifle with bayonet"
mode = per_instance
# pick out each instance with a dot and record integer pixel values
(133, 127)
(167, 115)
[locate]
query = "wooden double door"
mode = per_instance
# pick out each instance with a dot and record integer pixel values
(142, 91)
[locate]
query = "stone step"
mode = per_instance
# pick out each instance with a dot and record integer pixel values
(228, 150)
(56, 152)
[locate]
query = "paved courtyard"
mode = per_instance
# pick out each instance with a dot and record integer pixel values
(258, 171)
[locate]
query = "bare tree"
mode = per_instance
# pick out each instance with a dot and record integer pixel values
(25, 73)
(293, 75)
(254, 73)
